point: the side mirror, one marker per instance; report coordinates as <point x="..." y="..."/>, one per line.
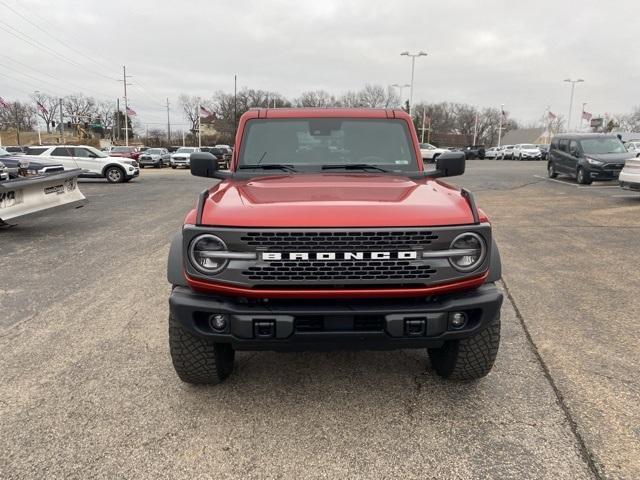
<point x="203" y="165"/>
<point x="450" y="164"/>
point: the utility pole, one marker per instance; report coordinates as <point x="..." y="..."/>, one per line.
<point x="15" y="106"/>
<point x="118" y="119"/>
<point x="500" y="124"/>
<point x="168" y="124"/>
<point x="199" y="126"/>
<point x="61" y="124"/>
<point x="126" y="107"/>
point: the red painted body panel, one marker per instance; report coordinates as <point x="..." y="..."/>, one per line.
<point x="335" y="200"/>
<point x="211" y="287"/>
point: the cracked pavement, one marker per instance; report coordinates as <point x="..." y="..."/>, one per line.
<point x="88" y="390"/>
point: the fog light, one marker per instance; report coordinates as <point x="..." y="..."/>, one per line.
<point x="458" y="320"/>
<point x="218" y="322"/>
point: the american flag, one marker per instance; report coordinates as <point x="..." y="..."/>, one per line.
<point x="41" y="108"/>
<point x="551" y="115"/>
<point x="205" y="112"/>
<point x="3" y="103"/>
<point x="131" y="112"/>
<point x="586" y="116"/>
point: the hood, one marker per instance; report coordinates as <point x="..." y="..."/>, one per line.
<point x="335" y="200"/>
<point x="611" y="157"/>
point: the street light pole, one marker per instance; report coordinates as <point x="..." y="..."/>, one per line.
<point x="500" y="124"/>
<point x="573" y="86"/>
<point x="413" y="67"/>
<point x="584" y="104"/>
<point x="401" y="88"/>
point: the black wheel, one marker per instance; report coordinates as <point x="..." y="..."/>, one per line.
<point x="551" y="170"/>
<point x="159" y="164"/>
<point x="141" y="166"/>
<point x="114" y="175"/>
<point x="173" y="166"/>
<point x="470" y="358"/>
<point x="520" y="158"/>
<point x="582" y="177"/>
<point x="197" y="360"/>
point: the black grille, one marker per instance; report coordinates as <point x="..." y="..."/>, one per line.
<point x="338" y="241"/>
<point x="337" y="270"/>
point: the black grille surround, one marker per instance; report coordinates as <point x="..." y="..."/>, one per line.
<point x="340" y="272"/>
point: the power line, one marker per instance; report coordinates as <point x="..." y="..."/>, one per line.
<point x="35" y="43"/>
<point x="26" y="19"/>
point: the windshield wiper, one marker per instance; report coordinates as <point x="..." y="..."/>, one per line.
<point x="269" y="166"/>
<point x="354" y="166"/>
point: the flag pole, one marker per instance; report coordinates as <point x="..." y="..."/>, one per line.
<point x="424" y="117"/>
<point x="199" y="126"/>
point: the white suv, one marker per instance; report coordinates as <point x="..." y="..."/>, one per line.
<point x="430" y="153"/>
<point x="526" y="151"/>
<point x="96" y="164"/>
<point x="633" y="147"/>
<point x="182" y="157"/>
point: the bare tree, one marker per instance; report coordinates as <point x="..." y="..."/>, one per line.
<point x="19" y="115"/>
<point x="316" y="98"/>
<point x="190" y="109"/>
<point x="47" y="108"/>
<point x="375" y="96"/>
<point x="349" y="99"/>
<point x="79" y="108"/>
<point x="105" y="114"/>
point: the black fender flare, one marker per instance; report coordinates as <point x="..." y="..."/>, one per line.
<point x="495" y="266"/>
<point x="175" y="267"/>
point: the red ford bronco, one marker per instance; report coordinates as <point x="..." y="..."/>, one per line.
<point x="327" y="232"/>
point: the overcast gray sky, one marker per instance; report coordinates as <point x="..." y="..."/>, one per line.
<point x="483" y="53"/>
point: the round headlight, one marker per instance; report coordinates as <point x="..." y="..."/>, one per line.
<point x="474" y="252"/>
<point x="202" y="253"/>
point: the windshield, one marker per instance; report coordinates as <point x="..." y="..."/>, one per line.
<point x="528" y="146"/>
<point x="122" y="149"/>
<point x="328" y="143"/>
<point x="3" y="152"/>
<point x="186" y="150"/>
<point x="155" y="151"/>
<point x="97" y="153"/>
<point x="599" y="146"/>
<point x="427" y="146"/>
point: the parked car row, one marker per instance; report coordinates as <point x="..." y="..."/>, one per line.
<point x="522" y="151"/>
<point x="430" y="152"/>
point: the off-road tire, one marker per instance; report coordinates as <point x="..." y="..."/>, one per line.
<point x="581" y="177"/>
<point x="551" y="170"/>
<point x="470" y="358"/>
<point x="197" y="360"/>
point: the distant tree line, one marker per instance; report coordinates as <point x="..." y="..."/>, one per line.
<point x="77" y="109"/>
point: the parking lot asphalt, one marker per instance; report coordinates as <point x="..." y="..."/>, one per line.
<point x="88" y="391"/>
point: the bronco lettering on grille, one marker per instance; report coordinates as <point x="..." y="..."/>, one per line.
<point x="275" y="256"/>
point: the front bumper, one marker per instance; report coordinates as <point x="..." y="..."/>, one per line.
<point x="340" y="324"/>
<point x="629" y="181"/>
<point x="601" y="174"/>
